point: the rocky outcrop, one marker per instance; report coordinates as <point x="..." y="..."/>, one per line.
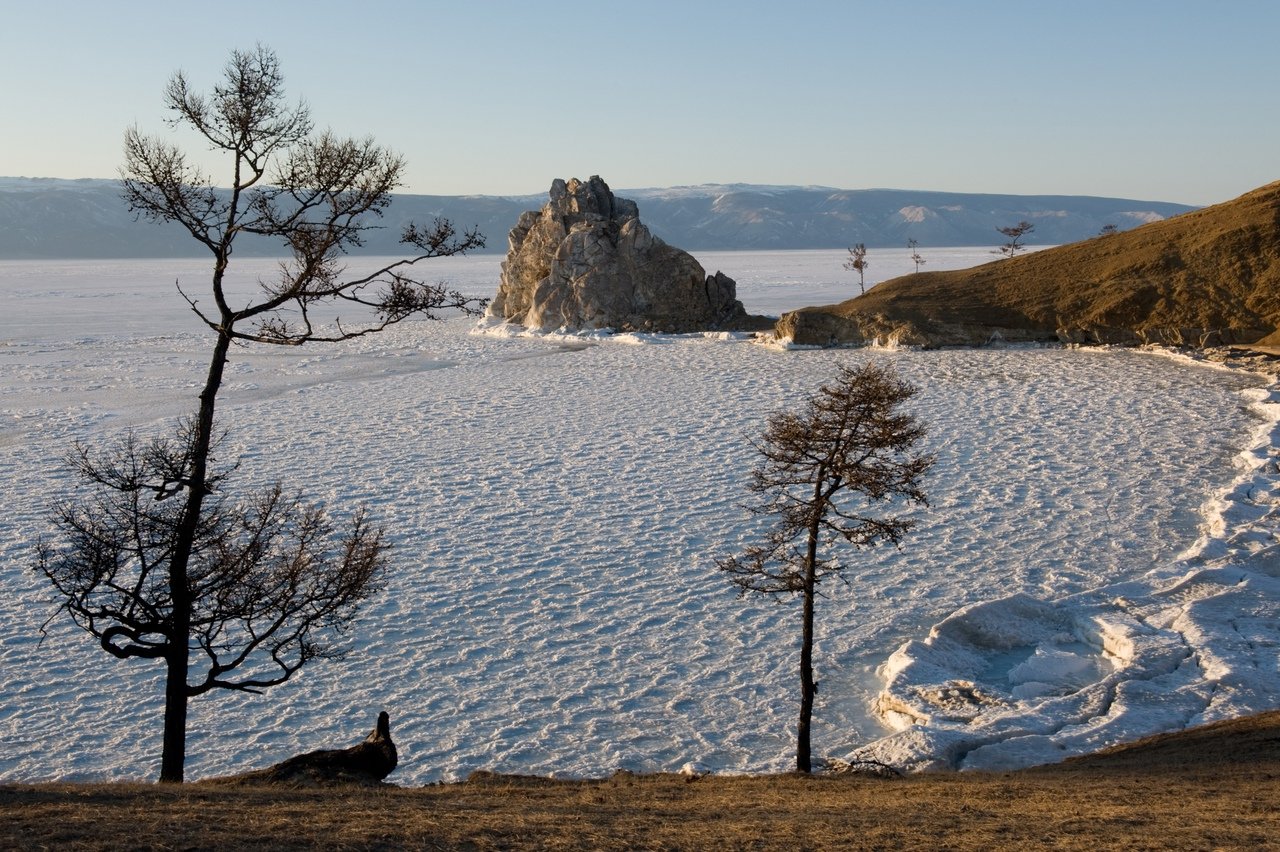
<point x="1203" y="279"/>
<point x="364" y="764"/>
<point x="585" y="261"/>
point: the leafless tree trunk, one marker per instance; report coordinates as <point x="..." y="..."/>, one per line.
<point x="1015" y="233"/>
<point x="851" y="446"/>
<point x="316" y="194"/>
<point x="915" y="253"/>
<point x="858" y="263"/>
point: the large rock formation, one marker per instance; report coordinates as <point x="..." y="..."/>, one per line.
<point x="1205" y="278"/>
<point x="585" y="261"/>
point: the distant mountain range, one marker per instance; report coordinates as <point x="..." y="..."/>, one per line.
<point x="56" y="218"/>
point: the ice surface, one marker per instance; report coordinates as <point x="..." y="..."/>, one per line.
<point x="1190" y="641"/>
<point x="1098" y="559"/>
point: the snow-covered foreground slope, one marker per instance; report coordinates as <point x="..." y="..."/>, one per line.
<point x="557" y="507"/>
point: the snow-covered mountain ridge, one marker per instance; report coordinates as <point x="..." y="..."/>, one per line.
<point x="58" y="218"/>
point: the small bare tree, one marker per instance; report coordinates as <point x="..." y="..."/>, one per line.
<point x="915" y="253"/>
<point x="858" y="263"/>
<point x="1109" y="230"/>
<point x="823" y="469"/>
<point x="1015" y="233"/>
<point x="203" y="560"/>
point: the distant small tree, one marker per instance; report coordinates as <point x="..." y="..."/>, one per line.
<point x="1015" y="233"/>
<point x="822" y="471"/>
<point x="202" y="574"/>
<point x="1109" y="230"/>
<point x="858" y="263"/>
<point x="915" y="253"/>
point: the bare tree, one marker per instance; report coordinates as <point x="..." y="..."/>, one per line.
<point x="316" y="194"/>
<point x="267" y="584"/>
<point x="823" y="470"/>
<point x="1015" y="233"/>
<point x="1109" y="230"/>
<point x="915" y="253"/>
<point x="858" y="263"/>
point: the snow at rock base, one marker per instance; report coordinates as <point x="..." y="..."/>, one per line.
<point x="557" y="506"/>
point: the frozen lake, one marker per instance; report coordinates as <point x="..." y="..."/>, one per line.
<point x="556" y="512"/>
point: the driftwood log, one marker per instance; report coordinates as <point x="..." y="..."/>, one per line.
<point x="367" y="763"/>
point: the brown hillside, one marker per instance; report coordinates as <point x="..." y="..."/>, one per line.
<point x="1204" y="278"/>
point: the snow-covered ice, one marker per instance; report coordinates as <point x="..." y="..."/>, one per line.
<point x="1098" y="561"/>
<point x="1020" y="680"/>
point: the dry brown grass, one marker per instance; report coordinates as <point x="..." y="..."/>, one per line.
<point x="1216" y="788"/>
<point x="1209" y="277"/>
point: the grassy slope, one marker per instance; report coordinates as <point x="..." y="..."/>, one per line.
<point x="1207" y="277"/>
<point x="1214" y="787"/>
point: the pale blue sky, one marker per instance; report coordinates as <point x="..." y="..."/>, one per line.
<point x="1172" y="100"/>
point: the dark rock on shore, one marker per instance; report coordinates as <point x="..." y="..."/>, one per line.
<point x="364" y="764"/>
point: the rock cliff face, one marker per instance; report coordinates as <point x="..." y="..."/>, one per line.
<point x="1206" y="278"/>
<point x="585" y="261"/>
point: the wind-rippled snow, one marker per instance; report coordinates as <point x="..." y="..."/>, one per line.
<point x="557" y="506"/>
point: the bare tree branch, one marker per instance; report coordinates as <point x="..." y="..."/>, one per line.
<point x="858" y="263"/>
<point x="268" y="580"/>
<point x="1015" y="233"/>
